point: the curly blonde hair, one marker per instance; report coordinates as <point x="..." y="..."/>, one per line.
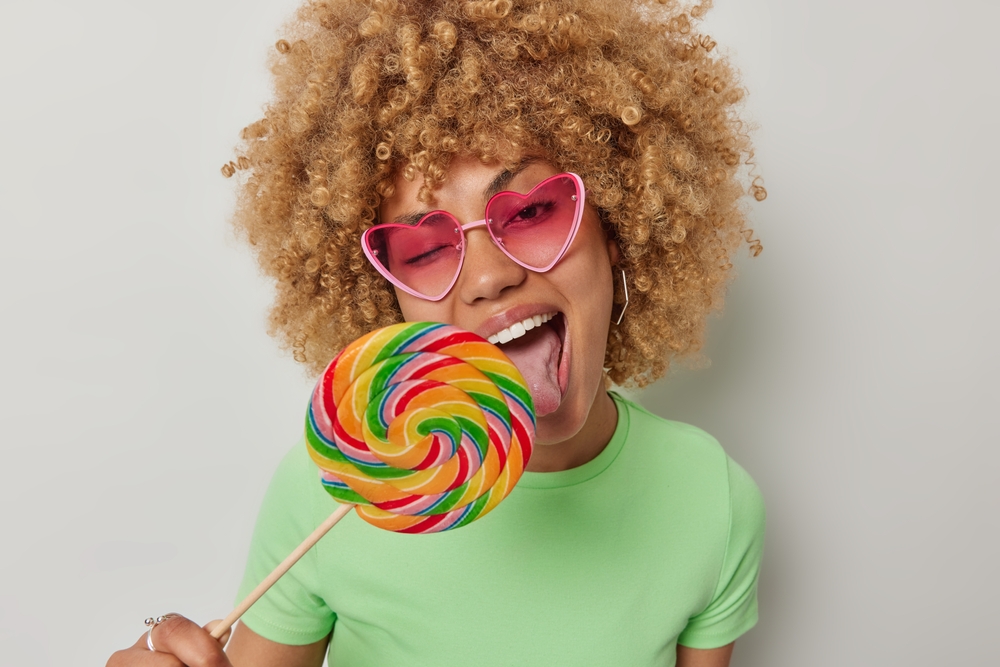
<point x="626" y="94"/>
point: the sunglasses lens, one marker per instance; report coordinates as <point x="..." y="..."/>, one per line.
<point x="535" y="228"/>
<point x="424" y="257"/>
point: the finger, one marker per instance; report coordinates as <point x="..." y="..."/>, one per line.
<point x="138" y="655"/>
<point x="189" y="642"/>
<point x="224" y="639"/>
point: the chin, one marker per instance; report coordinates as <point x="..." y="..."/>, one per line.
<point x="560" y="425"/>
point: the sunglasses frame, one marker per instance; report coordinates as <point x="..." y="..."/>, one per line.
<point x="579" y="198"/>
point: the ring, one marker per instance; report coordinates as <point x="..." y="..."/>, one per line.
<point x="152" y="623"/>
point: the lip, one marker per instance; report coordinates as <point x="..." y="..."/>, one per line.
<point x="513" y="315"/>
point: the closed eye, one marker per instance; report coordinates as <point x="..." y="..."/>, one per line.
<point x="428" y="256"/>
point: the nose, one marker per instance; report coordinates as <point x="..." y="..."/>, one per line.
<point x="486" y="271"/>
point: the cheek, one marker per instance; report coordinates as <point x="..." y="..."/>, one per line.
<point x="419" y="310"/>
<point x="409" y="306"/>
<point x="592" y="279"/>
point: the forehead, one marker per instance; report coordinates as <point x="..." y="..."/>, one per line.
<point x="468" y="182"/>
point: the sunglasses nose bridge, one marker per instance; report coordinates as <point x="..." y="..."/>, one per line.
<point x="472" y="225"/>
<point x="494" y="240"/>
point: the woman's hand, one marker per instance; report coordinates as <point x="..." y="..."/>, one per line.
<point x="179" y="642"/>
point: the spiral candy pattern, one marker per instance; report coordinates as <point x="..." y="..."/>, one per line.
<point x="425" y="426"/>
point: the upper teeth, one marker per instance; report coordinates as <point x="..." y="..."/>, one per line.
<point x="518" y="329"/>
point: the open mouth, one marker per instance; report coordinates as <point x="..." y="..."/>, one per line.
<point x="537" y="347"/>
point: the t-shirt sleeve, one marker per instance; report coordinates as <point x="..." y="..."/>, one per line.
<point x="733" y="609"/>
<point x="289" y="613"/>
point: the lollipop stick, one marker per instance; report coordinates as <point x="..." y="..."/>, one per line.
<point x="285" y="565"/>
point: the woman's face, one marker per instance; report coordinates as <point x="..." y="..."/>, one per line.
<point x="562" y="359"/>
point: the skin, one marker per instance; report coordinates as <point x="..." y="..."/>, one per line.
<point x="491" y="293"/>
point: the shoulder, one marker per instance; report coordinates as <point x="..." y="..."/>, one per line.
<point x="295" y="493"/>
<point x="652" y="437"/>
<point x="295" y="465"/>
<point x="687" y="456"/>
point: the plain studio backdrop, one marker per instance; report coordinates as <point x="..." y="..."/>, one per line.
<point x="853" y="372"/>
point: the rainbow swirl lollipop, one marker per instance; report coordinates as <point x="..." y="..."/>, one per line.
<point x="424" y="426"/>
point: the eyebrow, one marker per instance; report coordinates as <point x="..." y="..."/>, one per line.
<point x="409" y="218"/>
<point x="504" y="178"/>
<point x="498" y="184"/>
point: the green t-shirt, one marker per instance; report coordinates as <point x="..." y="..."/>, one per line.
<point x="655" y="542"/>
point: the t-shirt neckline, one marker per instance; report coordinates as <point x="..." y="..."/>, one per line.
<point x="590" y="469"/>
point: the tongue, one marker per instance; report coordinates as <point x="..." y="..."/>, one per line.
<point x="536" y="355"/>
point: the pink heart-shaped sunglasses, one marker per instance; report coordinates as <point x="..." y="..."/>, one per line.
<point x="533" y="229"/>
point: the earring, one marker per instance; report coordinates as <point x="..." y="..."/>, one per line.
<point x="624" y="287"/>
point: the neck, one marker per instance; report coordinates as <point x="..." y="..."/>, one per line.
<point x="582" y="447"/>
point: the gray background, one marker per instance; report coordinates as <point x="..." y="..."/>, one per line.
<point x="853" y="372"/>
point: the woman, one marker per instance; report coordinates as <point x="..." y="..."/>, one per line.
<point x="629" y="540"/>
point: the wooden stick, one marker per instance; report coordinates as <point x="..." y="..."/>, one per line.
<point x="285" y="565"/>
